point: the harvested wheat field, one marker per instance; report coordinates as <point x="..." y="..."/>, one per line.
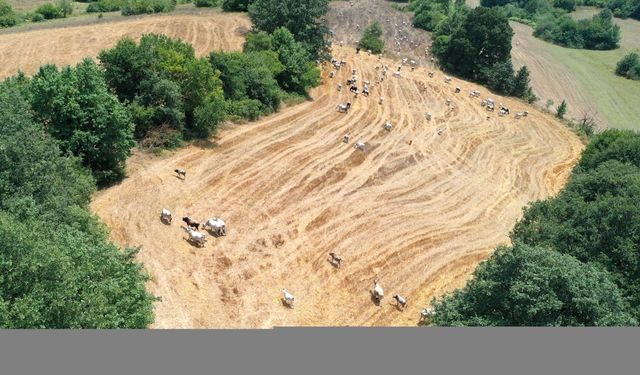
<point x="207" y="31"/>
<point x="418" y="216"/>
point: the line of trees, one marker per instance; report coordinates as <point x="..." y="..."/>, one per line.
<point x="575" y="258"/>
<point x="474" y="44"/>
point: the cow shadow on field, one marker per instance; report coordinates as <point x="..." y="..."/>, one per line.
<point x="374" y="300"/>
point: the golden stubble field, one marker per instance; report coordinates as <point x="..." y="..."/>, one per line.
<point x="419" y="217"/>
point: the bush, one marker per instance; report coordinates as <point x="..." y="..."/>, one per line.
<point x="50" y="11"/>
<point x="105" y="6"/>
<point x="629" y="66"/>
<point x="8" y="17"/>
<point x="371" y="38"/>
<point x="598" y="33"/>
<point x="37" y="17"/>
<point x="236" y="5"/>
<point x="132" y="7"/>
<point x="568" y="5"/>
<point x="244" y="109"/>
<point x="207" y="3"/>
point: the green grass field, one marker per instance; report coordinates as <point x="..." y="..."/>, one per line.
<point x="618" y="98"/>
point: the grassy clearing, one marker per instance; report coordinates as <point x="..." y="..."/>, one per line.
<point x="616" y="99"/>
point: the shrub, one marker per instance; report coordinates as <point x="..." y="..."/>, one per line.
<point x="50" y="11"/>
<point x="8" y="17"/>
<point x="371" y="38"/>
<point x="207" y="3"/>
<point x="105" y="6"/>
<point x="568" y="5"/>
<point x="236" y="5"/>
<point x="132" y="7"/>
<point x="629" y="66"/>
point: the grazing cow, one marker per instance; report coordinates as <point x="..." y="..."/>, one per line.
<point x="378" y="292"/>
<point x="332" y="74"/>
<point x="196" y="237"/>
<point x="344" y="108"/>
<point x="457" y="90"/>
<point x="217" y="226"/>
<point x="428" y="116"/>
<point x="474" y="94"/>
<point x="447" y="79"/>
<point x="448" y="102"/>
<point x="431" y="74"/>
<point x="181" y="172"/>
<point x="345" y="138"/>
<point x="358" y="48"/>
<point x="426" y="313"/>
<point x="365" y="91"/>
<point x="353" y="71"/>
<point x="359" y="146"/>
<point x="396" y="74"/>
<point x="381" y="100"/>
<point x="483" y="103"/>
<point x="191" y="223"/>
<point x="353" y="88"/>
<point x="339" y="86"/>
<point x="369" y="52"/>
<point x="387" y="126"/>
<point x="335" y="259"/>
<point x="165" y="215"/>
<point x="490" y="107"/>
<point x="440" y="131"/>
<point x="402" y="302"/>
<point x="288" y="298"/>
<point x="410" y="142"/>
<point x="519" y="115"/>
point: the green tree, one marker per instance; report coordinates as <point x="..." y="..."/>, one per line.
<point x="562" y="109"/>
<point x="78" y="109"/>
<point x="303" y="18"/>
<point x="372" y="38"/>
<point x="482" y="40"/>
<point x="67" y="279"/>
<point x="299" y="73"/>
<point x="521" y="87"/>
<point x="257" y="41"/>
<point x="596" y="219"/>
<point x="533" y="286"/>
<point x="66" y="6"/>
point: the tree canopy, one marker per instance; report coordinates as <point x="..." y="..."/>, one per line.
<point x="533" y="286"/>
<point x="303" y="18"/>
<point x="78" y="109"/>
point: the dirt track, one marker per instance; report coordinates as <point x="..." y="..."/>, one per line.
<point x="418" y="217"/>
<point x="68" y="45"/>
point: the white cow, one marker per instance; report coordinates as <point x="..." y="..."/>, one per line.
<point x="402" y="302"/>
<point x="332" y="73"/>
<point x="426" y="313"/>
<point x="447" y="79"/>
<point x="335" y="259"/>
<point x="378" y="292"/>
<point x="196" y="237"/>
<point x="345" y="138"/>
<point x="396" y="74"/>
<point x="359" y="146"/>
<point x="165" y="215"/>
<point x="429" y="116"/>
<point x="288" y="298"/>
<point x="387" y="126"/>
<point x="381" y="100"/>
<point x="217" y="226"/>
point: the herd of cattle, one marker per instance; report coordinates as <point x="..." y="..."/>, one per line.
<point x="352" y="82"/>
<point x="216" y="226"/>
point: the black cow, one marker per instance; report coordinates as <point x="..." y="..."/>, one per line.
<point x="191" y="223"/>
